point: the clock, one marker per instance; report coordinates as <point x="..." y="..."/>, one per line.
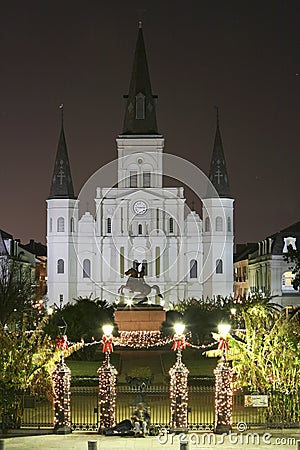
<point x="139" y="207"/>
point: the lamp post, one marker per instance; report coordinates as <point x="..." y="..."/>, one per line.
<point x="179" y="383"/>
<point x="223" y="385"/>
<point x="62" y="380"/>
<point x="107" y="383"/>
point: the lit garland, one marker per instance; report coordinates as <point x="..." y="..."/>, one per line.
<point x="223" y="395"/>
<point x="141" y="339"/>
<point x="61" y="402"/>
<point x="179" y="393"/>
<point x="107" y="394"/>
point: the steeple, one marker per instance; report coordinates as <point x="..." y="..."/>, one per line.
<point x="218" y="171"/>
<point x="62" y="185"/>
<point x="140" y="114"/>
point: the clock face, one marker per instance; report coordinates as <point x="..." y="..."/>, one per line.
<point x="140" y="207"/>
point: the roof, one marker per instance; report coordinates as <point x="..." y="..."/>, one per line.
<point x="36" y="248"/>
<point x="140" y="120"/>
<point x="278" y="238"/>
<point x="243" y="250"/>
<point x="62" y="185"/>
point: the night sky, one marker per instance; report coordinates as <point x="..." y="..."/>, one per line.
<point x="243" y="56"/>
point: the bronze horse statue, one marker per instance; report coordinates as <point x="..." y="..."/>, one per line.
<point x="136" y="283"/>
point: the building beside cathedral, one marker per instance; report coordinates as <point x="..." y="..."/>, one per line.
<point x="139" y="223"/>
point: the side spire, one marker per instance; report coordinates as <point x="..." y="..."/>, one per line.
<point x="140" y="112"/>
<point x="62" y="185"/>
<point x="218" y="171"/>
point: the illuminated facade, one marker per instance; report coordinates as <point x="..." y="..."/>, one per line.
<point x="139" y="220"/>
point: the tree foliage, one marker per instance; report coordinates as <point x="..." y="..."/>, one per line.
<point x="293" y="257"/>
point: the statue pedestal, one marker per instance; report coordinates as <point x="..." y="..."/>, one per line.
<point x="140" y="318"/>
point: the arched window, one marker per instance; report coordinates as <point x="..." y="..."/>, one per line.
<point x="229" y="229"/>
<point x="193" y="268"/>
<point x="86" y="268"/>
<point x="60" y="266"/>
<point x="108" y="225"/>
<point x="207" y="224"/>
<point x="72" y="225"/>
<point x="219" y="223"/>
<point x="140" y="106"/>
<point x="60" y="224"/>
<point x="157" y="262"/>
<point x="171" y="225"/>
<point x="140" y="229"/>
<point x="219" y="266"/>
<point x="145" y="267"/>
<point x="50" y="225"/>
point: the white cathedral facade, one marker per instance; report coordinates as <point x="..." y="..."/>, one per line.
<point x="139" y="222"/>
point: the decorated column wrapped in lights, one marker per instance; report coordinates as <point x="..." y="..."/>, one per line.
<point x="62" y="386"/>
<point x="107" y="383"/>
<point x="223" y="385"/>
<point x="179" y="383"/>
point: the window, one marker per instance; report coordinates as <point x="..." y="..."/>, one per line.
<point x="146" y="179"/>
<point x="207" y="224"/>
<point x="133" y="179"/>
<point x="219" y="223"/>
<point x="140" y="229"/>
<point x="61" y="299"/>
<point x="229" y="229"/>
<point x="140" y="106"/>
<point x="145" y="267"/>
<point x="157" y="219"/>
<point x="135" y="264"/>
<point x="72" y="225"/>
<point x="193" y="268"/>
<point x="86" y="268"/>
<point x="157" y="262"/>
<point x="171" y="225"/>
<point x="108" y="225"/>
<point x="60" y="224"/>
<point x="122" y="261"/>
<point x="50" y="225"/>
<point x="60" y="266"/>
<point x="219" y="266"/>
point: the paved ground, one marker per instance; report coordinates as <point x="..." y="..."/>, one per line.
<point x="286" y="439"/>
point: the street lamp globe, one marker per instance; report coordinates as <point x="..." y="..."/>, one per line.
<point x="224" y="329"/>
<point x="179" y="328"/>
<point x="107" y="329"/>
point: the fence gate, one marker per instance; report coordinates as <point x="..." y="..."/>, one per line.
<point x="84" y="408"/>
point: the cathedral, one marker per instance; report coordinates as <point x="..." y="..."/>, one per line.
<point x="139" y="223"/>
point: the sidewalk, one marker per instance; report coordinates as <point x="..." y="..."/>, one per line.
<point x="283" y="439"/>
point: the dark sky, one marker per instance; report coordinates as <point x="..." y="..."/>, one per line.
<point x="243" y="56"/>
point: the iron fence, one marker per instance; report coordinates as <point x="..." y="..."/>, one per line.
<point x="38" y="412"/>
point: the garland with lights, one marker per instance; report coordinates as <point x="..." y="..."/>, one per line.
<point x="107" y="394"/>
<point x="223" y="395"/>
<point x="61" y="400"/>
<point x="179" y="393"/>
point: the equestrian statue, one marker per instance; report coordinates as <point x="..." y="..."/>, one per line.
<point x="136" y="283"/>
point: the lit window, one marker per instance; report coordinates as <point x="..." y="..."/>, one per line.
<point x="86" y="268"/>
<point x="60" y="224"/>
<point x="193" y="268"/>
<point x="60" y="266"/>
<point x="219" y="223"/>
<point x="146" y="179"/>
<point x="171" y="225"/>
<point x="219" y="266"/>
<point x="207" y="224"/>
<point x="133" y="178"/>
<point x="140" y="106"/>
<point x="108" y="225"/>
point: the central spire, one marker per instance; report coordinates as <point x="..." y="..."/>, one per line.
<point x="140" y="114"/>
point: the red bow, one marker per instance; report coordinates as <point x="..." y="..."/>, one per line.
<point x="223" y="343"/>
<point x="62" y="342"/>
<point x="179" y="343"/>
<point x="107" y="343"/>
